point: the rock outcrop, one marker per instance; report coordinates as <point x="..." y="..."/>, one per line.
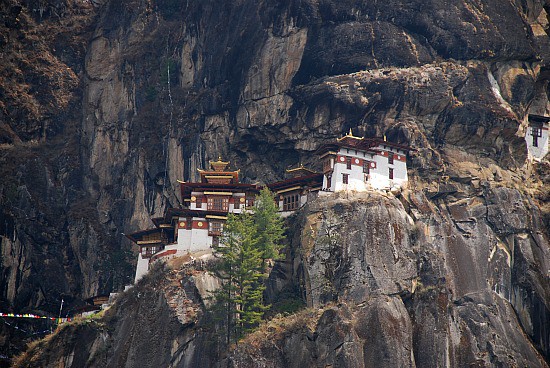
<point x="106" y="103"/>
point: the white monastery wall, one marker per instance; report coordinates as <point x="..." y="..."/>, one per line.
<point x="142" y="268"/>
<point x="538" y="152"/>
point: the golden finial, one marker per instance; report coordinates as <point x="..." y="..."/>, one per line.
<point x="350" y="132"/>
<point x="384" y="137"/>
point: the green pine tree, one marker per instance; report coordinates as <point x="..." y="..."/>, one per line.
<point x="249" y="239"/>
<point x="269" y="227"/>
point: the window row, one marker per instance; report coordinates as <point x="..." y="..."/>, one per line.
<point x="345" y="177"/>
<point x="536" y="132"/>
<point x="222" y="203"/>
<point x="147" y="252"/>
<point x="291" y="202"/>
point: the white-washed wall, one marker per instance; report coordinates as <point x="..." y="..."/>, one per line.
<point x="142" y="268"/>
<point x="537" y="153"/>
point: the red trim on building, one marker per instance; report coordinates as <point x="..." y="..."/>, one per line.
<point x="355" y="161"/>
<point x="163" y="254"/>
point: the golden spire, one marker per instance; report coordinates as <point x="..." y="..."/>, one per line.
<point x="219" y="165"/>
<point x="349" y="135"/>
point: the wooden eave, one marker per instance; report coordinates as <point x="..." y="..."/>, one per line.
<point x="538" y="119"/>
<point x="135" y="237"/>
<point x="301" y="181"/>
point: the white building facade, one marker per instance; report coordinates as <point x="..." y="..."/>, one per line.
<point x="360" y="164"/>
<point x="293" y="193"/>
<point x="198" y="225"/>
<point x="536" y="137"/>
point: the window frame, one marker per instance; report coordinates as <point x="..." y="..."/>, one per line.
<point x="215" y="228"/>
<point x="366" y="167"/>
<point x="345" y="179"/>
<point x="291" y="202"/>
<point x="536" y="132"/>
<point x="217" y="203"/>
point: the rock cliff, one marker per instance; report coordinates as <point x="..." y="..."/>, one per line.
<point x="105" y="104"/>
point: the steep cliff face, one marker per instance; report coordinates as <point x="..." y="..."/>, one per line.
<point x="153" y="324"/>
<point x="416" y="284"/>
<point x="106" y="103"/>
<point x="390" y="282"/>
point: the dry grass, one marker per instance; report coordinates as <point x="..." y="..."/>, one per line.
<point x="274" y="331"/>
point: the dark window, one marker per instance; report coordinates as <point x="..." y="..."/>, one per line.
<point x="249" y="202"/>
<point x="291" y="202"/>
<point x="215" y="228"/>
<point x="348" y="163"/>
<point x="237" y="203"/>
<point x="218" y="203"/>
<point x="390" y="158"/>
<point x="366" y="167"/>
<point x="189" y="223"/>
<point x="536" y="132"/>
<point x="391" y="173"/>
<point x="198" y="202"/>
<point x="326" y="165"/>
<point x="147" y="252"/>
<point x="345" y="178"/>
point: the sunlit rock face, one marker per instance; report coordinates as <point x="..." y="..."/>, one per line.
<point x="107" y="103"/>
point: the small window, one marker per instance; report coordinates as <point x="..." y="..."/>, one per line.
<point x="215" y="228"/>
<point x="237" y="203"/>
<point x="345" y="178"/>
<point x="390" y="158"/>
<point x="366" y="167"/>
<point x="348" y="163"/>
<point x="391" y="173"/>
<point x="189" y="223"/>
<point x="291" y="202"/>
<point x="218" y="203"/>
<point x="198" y="202"/>
<point x="536" y="132"/>
<point x="249" y="202"/>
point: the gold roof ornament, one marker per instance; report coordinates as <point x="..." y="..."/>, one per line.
<point x="349" y="135"/>
<point x="300" y="171"/>
<point x="219" y="165"/>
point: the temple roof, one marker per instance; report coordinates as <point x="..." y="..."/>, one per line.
<point x="135" y="237"/>
<point x="362" y="144"/>
<point x="300" y="171"/>
<point x="538" y="119"/>
<point x="311" y="180"/>
<point x="219" y="173"/>
<point x="188" y="188"/>
<point x="219" y="165"/>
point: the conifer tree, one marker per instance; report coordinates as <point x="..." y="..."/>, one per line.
<point x="269" y="226"/>
<point x="248" y="240"/>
